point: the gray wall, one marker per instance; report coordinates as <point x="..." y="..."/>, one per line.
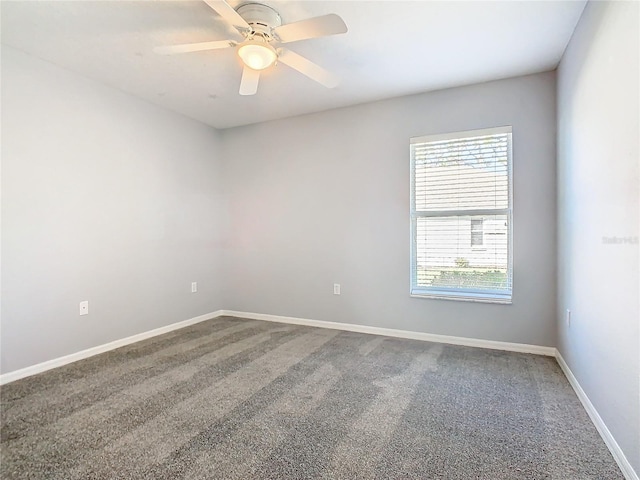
<point x="104" y="198"/>
<point x="324" y="198"/>
<point x="108" y="199"/>
<point x="598" y="122"/>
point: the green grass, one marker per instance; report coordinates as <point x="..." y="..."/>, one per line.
<point x="463" y="278"/>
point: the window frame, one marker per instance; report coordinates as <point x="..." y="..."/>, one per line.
<point x="461" y="294"/>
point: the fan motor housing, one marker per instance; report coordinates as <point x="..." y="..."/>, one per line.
<point x="262" y="18"/>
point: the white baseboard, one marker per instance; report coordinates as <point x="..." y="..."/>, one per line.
<point x="90" y="352"/>
<point x="610" y="442"/>
<point x="390" y="332"/>
<point x="469" y="342"/>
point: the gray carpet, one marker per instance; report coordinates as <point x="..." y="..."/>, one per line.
<point x="242" y="399"/>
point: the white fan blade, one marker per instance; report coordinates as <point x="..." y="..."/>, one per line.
<point x="194" y="47"/>
<point x="249" y="82"/>
<point x="308" y="68"/>
<point x="315" y="27"/>
<point x="227" y="12"/>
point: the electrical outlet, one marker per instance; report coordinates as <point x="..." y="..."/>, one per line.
<point x="568" y="317"/>
<point x="84" y="307"/>
<point x="194" y="287"/>
<point x="336" y="289"/>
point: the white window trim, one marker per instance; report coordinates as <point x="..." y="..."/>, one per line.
<point x="462" y="294"/>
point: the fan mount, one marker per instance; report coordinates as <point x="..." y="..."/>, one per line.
<point x="261" y="18"/>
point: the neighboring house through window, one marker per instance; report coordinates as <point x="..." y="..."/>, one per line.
<point x="461" y="207"/>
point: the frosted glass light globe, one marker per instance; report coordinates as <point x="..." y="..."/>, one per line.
<point x="257" y="55"/>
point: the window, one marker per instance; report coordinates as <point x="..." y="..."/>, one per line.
<point x="477" y="237"/>
<point x="461" y="235"/>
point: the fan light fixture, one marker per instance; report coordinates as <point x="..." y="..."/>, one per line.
<point x="257" y="55"/>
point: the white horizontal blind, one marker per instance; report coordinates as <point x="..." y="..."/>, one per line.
<point x="461" y="215"/>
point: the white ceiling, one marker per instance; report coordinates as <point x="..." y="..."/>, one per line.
<point x="392" y="48"/>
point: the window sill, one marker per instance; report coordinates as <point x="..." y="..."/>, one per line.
<point x="465" y="298"/>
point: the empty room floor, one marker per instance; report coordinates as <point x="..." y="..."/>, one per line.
<point x="233" y="398"/>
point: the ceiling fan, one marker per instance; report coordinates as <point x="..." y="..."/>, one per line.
<point x="260" y="33"/>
